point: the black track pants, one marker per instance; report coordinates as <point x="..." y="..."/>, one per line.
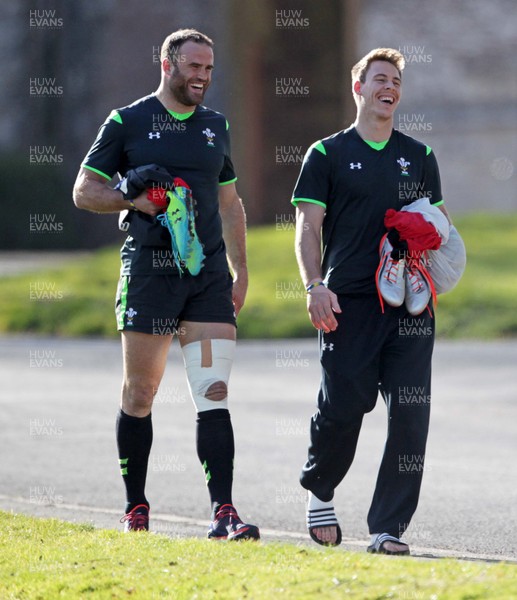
<point x="371" y="352"/>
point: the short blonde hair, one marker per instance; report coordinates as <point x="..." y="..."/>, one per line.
<point x="390" y="55"/>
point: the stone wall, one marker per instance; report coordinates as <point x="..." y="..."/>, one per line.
<point x="65" y="66"/>
<point x="459" y="91"/>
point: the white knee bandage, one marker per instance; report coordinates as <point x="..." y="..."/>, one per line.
<point x="208" y="364"/>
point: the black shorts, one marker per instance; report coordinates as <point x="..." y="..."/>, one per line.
<point x="156" y="304"/>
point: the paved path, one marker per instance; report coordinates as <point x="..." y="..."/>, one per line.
<point x="58" y="404"/>
<point x="16" y="262"/>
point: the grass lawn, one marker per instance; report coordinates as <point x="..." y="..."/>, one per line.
<point x="78" y="298"/>
<point x="46" y="559"/>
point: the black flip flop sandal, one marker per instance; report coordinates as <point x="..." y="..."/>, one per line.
<point x="378" y="546"/>
<point x="323" y="517"/>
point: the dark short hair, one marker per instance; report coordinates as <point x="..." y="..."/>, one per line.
<point x="174" y="41"/>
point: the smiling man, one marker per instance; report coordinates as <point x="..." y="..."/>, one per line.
<point x="179" y="204"/>
<point x="347" y="183"/>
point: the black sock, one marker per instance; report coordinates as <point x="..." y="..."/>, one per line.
<point x="215" y="449"/>
<point x="134" y="440"/>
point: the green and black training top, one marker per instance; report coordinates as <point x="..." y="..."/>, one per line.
<point x="194" y="146"/>
<point x="356" y="181"/>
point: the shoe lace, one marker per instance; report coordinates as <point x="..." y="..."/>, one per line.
<point x="418" y="274"/>
<point x="229" y="512"/>
<point x="391" y="273"/>
<point x="135" y="519"/>
<point x="415" y="279"/>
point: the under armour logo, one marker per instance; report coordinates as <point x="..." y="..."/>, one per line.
<point x="326" y="346"/>
<point x="355" y="166"/>
<point x="154" y="135"/>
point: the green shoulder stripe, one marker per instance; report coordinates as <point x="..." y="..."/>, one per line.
<point x="96" y="171"/>
<point x="439" y="203"/>
<point x="227" y="125"/>
<point x="309" y="200"/>
<point x="228" y="182"/>
<point x="319" y="146"/>
<point x="115" y="116"/>
<point x="428" y="150"/>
